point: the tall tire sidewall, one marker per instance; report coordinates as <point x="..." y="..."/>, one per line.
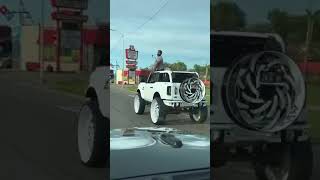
<point x="203" y="115"/>
<point x="100" y="149"/>
<point x="162" y="111"/>
<point x="141" y="104"/>
<point x="301" y="162"/>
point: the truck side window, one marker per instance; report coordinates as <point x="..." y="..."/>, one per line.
<point x="164" y="77"/>
<point x="153" y="78"/>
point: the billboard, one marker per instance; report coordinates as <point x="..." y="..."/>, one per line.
<point x="132" y="56"/>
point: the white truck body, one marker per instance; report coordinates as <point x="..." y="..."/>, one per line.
<point x="172" y="98"/>
<point x="99" y="81"/>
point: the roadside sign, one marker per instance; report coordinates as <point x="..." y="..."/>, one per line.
<point x="131" y="54"/>
<point x="73" y="4"/>
<point x="69" y="16"/>
<point x="5" y="11"/>
<point x="131" y="62"/>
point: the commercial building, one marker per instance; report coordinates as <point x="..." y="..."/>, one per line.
<point x="94" y="41"/>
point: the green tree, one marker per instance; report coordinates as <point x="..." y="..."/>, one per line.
<point x="280" y="22"/>
<point x="178" y="66"/>
<point x="166" y="65"/>
<point x="227" y="16"/>
<point x="202" y="70"/>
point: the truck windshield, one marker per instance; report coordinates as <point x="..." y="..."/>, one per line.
<point x="180" y="77"/>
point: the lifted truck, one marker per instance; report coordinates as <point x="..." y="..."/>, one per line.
<point x="172" y="92"/>
<point x="258" y="107"/>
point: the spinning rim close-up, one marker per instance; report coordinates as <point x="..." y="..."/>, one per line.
<point x="192" y="90"/>
<point x="264" y="91"/>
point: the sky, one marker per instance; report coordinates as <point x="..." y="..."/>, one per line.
<point x="98" y="11"/>
<point x="181" y="30"/>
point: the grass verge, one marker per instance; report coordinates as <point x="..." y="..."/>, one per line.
<point x="76" y="87"/>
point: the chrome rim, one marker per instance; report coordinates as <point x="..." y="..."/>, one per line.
<point x="85" y="133"/>
<point x="273" y="173"/>
<point x="154" y="111"/>
<point x="197" y="116"/>
<point x="136" y="103"/>
<point x="280" y="172"/>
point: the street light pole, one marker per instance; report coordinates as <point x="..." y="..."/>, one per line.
<point x="123" y="52"/>
<point x="41" y="42"/>
<point x="122" y="35"/>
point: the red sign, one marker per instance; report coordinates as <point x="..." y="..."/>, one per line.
<point x="131" y="66"/>
<point x="69" y="16"/>
<point x="131" y="54"/>
<point x="73" y="4"/>
<point x="131" y="62"/>
<point x="4" y="10"/>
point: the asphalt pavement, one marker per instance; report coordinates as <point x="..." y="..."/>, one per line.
<point x="123" y="115"/>
<point x="244" y="171"/>
<point x="37" y="133"/>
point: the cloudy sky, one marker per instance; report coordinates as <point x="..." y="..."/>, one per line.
<point x="181" y="30"/>
<point x="97" y="10"/>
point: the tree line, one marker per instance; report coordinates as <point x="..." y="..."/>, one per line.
<point x="300" y="32"/>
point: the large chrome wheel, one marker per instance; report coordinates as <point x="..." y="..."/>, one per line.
<point x="92" y="135"/>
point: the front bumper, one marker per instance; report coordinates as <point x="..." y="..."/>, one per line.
<point x="180" y="103"/>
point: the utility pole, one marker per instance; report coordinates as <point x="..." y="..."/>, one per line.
<point x="206" y="72"/>
<point x="311" y="18"/>
<point x="41" y="42"/>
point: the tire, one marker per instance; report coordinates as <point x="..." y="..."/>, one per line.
<point x="297" y="162"/>
<point x="157" y="111"/>
<point x="92" y="135"/>
<point x="139" y="104"/>
<point x="199" y="115"/>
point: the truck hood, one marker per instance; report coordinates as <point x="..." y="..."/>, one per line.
<point x="138" y="152"/>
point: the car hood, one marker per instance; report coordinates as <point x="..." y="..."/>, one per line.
<point x="138" y="152"/>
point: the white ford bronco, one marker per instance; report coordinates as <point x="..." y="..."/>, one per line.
<point x="172" y="92"/>
<point x="93" y="121"/>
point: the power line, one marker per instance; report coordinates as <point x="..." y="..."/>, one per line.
<point x="116" y="44"/>
<point x="157" y="12"/>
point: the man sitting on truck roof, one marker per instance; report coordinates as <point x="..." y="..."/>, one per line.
<point x="158" y="65"/>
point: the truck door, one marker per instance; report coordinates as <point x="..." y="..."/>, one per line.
<point x="150" y="86"/>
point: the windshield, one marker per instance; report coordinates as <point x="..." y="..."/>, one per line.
<point x="144" y="96"/>
<point x="180" y="77"/>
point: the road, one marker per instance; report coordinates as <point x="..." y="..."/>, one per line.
<point x="123" y="115"/>
<point x="37" y="133"/>
<point x="234" y="171"/>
